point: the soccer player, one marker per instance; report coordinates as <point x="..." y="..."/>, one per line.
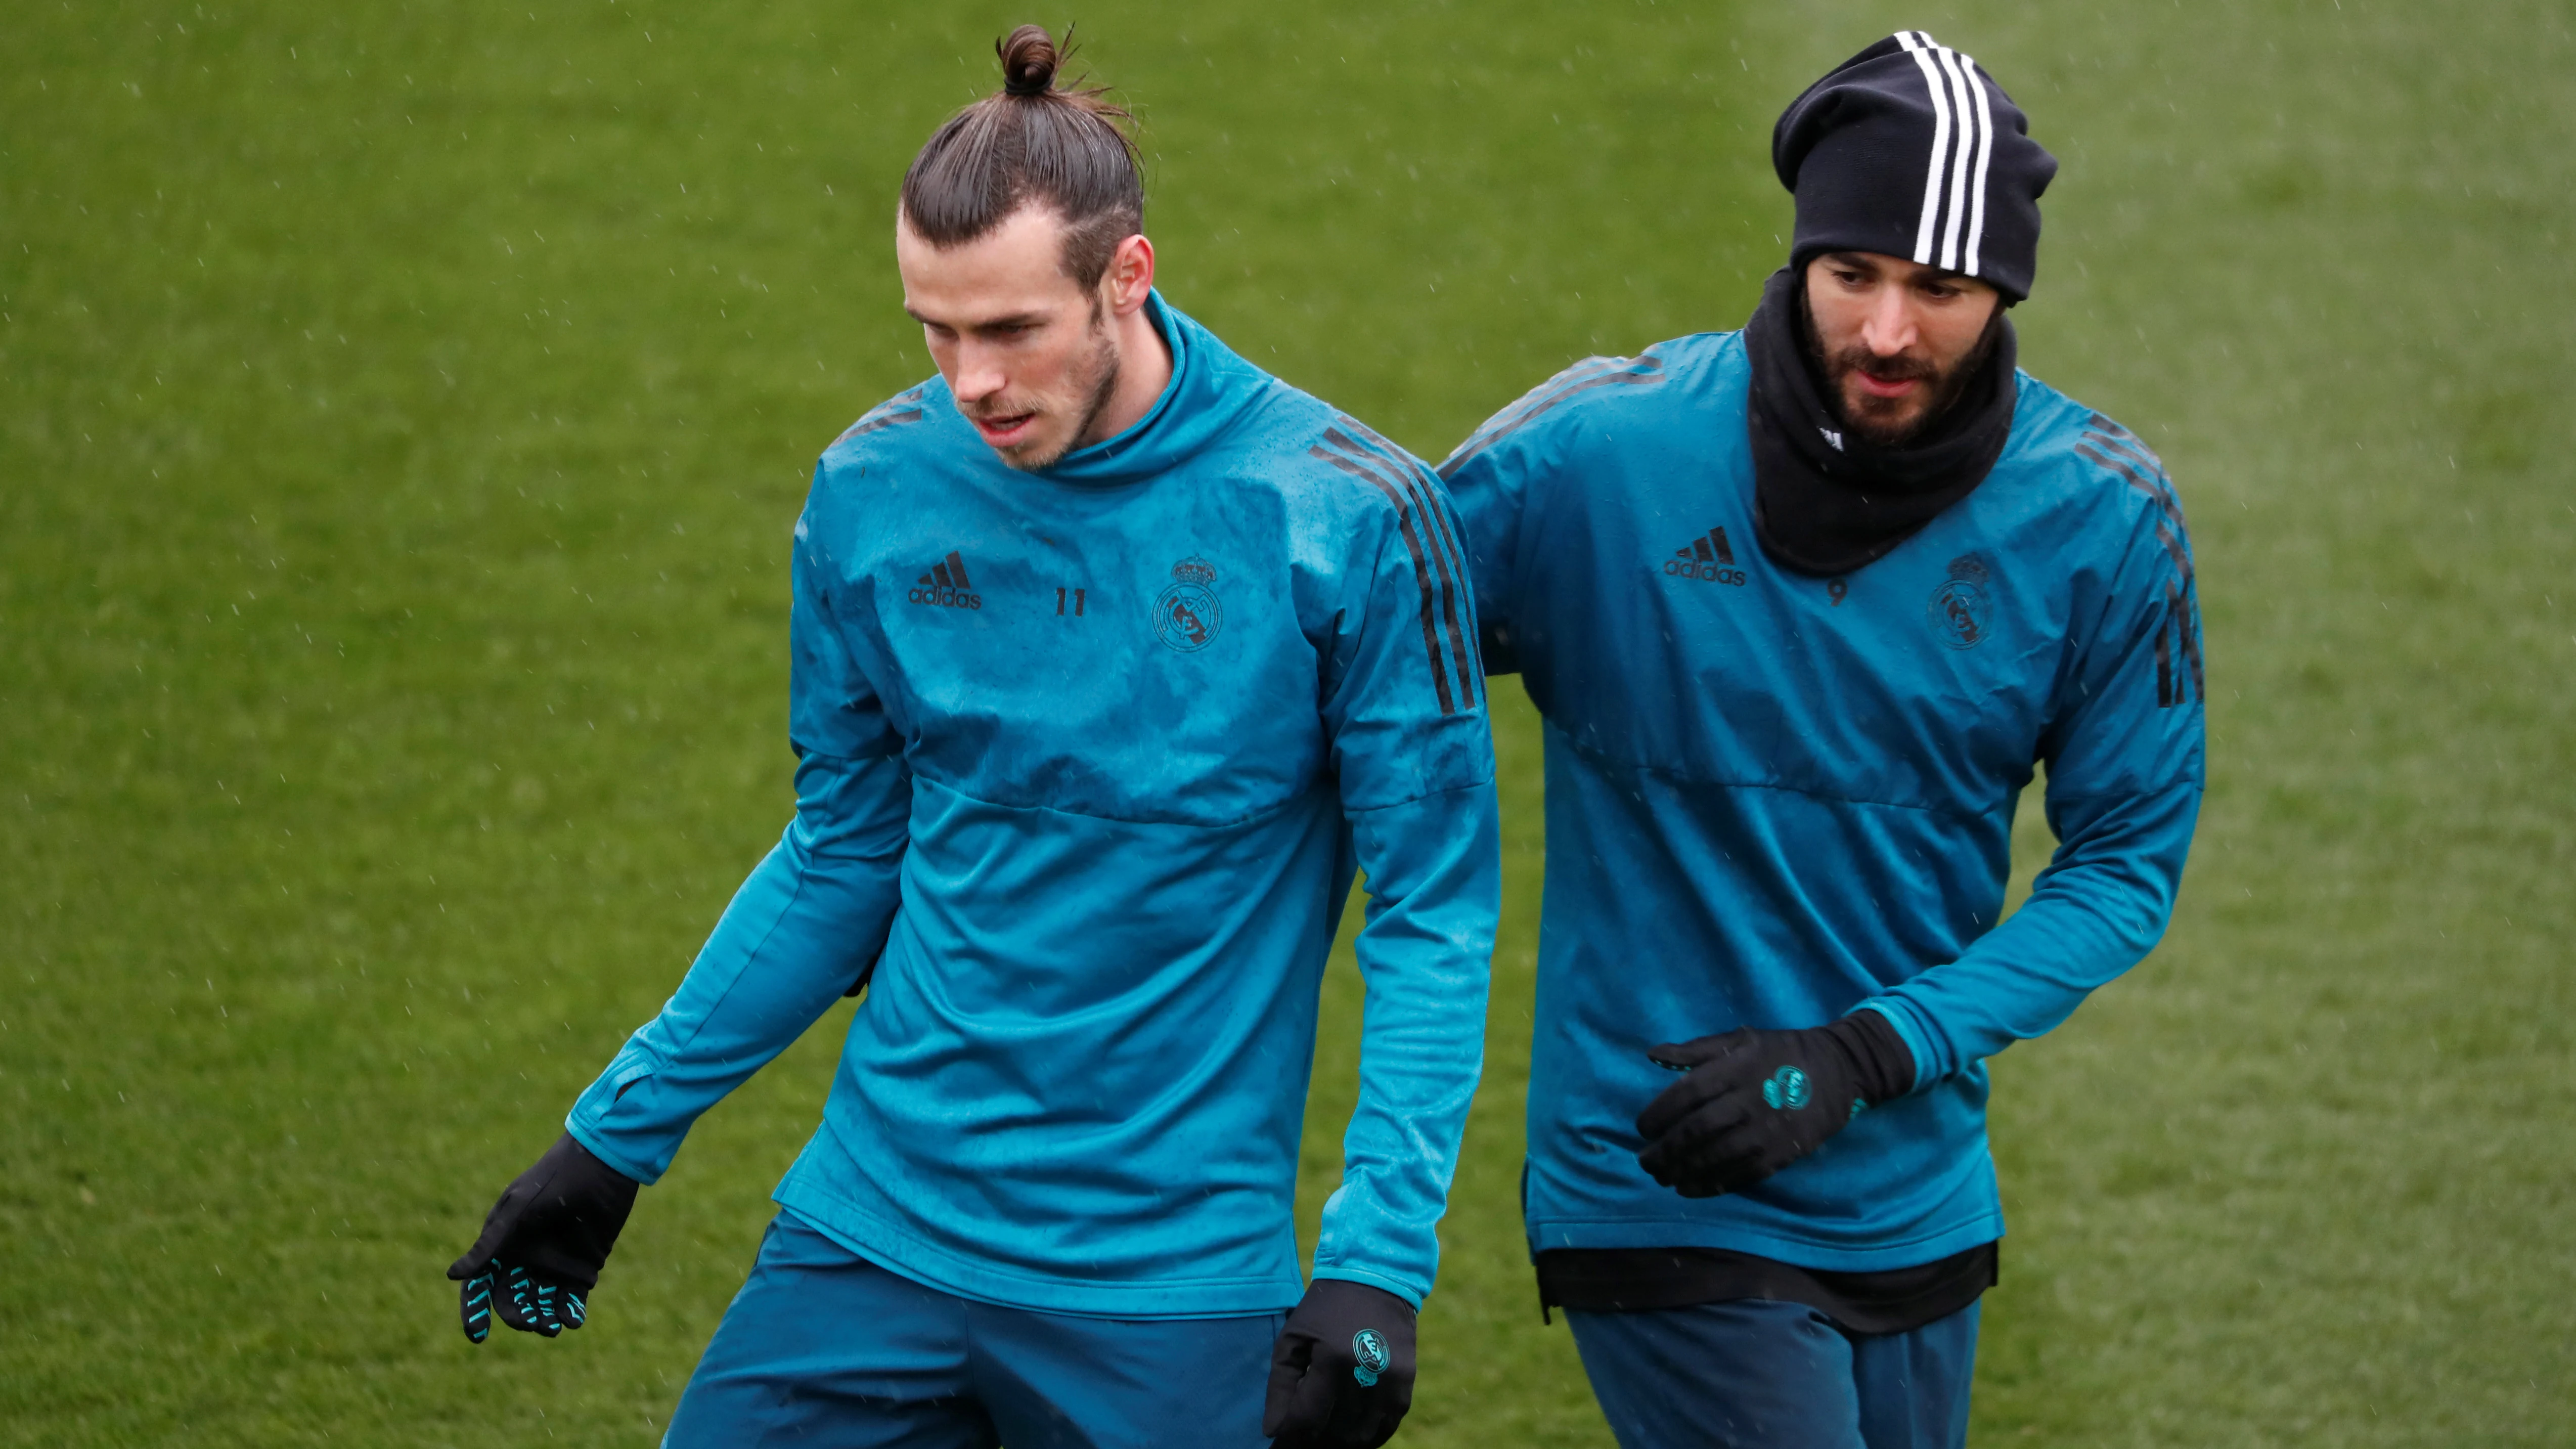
<point x="1112" y="658"/>
<point x="1802" y="606"/>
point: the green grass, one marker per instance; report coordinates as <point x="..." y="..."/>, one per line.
<point x="401" y="413"/>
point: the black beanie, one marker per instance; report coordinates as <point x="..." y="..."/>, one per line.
<point x="1909" y="149"/>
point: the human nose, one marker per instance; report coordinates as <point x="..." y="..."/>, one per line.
<point x="1890" y="328"/>
<point x="979" y="374"/>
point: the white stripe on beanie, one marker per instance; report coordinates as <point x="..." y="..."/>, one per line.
<point x="1985" y="151"/>
<point x="1940" y="147"/>
<point x="1948" y="189"/>
<point x="1959" y="159"/>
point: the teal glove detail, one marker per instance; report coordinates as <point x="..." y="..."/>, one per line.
<point x="543" y="1245"/>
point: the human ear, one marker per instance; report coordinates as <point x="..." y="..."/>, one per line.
<point x="1131" y="274"/>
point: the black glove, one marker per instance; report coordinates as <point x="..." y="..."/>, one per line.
<point x="1756" y="1101"/>
<point x="1341" y="1375"/>
<point x="543" y="1244"/>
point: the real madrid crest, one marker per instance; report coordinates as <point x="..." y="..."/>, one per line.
<point x="1959" y="609"/>
<point x="1187" y="615"/>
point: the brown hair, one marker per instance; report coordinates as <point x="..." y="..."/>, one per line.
<point x="1036" y="142"/>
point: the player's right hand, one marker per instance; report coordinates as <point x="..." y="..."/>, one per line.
<point x="543" y="1244"/>
<point x="1341" y="1373"/>
<point x="1756" y="1101"/>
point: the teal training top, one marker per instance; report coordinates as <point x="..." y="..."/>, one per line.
<point x="1087" y="759"/>
<point x="1773" y="798"/>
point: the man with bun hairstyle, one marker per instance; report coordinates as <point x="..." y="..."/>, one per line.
<point x="1113" y="659"/>
<point x="1803" y="606"/>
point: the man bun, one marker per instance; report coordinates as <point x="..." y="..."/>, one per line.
<point x="1067" y="148"/>
<point x="1028" y="61"/>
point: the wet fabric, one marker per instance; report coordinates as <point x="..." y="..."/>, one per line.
<point x="1774" y="799"/>
<point x="1088" y="758"/>
<point x="822" y="1346"/>
<point x="1759" y="1375"/>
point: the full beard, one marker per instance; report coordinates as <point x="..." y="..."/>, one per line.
<point x="1890" y="422"/>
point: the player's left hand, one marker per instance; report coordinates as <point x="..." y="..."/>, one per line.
<point x="543" y="1244"/>
<point x="1756" y="1101"/>
<point x="1341" y="1375"/>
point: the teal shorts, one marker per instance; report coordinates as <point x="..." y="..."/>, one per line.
<point x="822" y="1346"/>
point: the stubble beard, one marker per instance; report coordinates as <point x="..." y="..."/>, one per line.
<point x="1098" y="388"/>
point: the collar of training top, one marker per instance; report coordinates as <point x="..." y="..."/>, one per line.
<point x="1209" y="391"/>
<point x="1909" y="149"/>
<point x="1827" y="501"/>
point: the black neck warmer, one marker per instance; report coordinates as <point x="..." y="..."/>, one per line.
<point x="1826" y="500"/>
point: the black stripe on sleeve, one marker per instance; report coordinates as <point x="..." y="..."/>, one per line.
<point x="1372" y="445"/>
<point x="2122" y="441"/>
<point x="1567" y="377"/>
<point x="893" y="412"/>
<point x="2174" y="550"/>
<point x="2129" y="458"/>
<point x="2190" y="625"/>
<point x="1446" y="559"/>
<point x="1443" y="514"/>
<point x="2169" y="526"/>
<point x="1421" y="572"/>
<point x="1470" y="662"/>
<point x="882" y="420"/>
<point x="1447" y="556"/>
<point x="1545" y="397"/>
<point x="2164" y="657"/>
<point x="2181" y="675"/>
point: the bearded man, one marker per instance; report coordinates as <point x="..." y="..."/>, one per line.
<point x="1112" y="658"/>
<point x="1802" y="606"/>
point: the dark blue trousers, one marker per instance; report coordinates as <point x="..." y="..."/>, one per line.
<point x="1756" y="1374"/>
<point x="822" y="1347"/>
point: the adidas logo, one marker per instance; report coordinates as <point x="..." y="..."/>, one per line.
<point x="946" y="586"/>
<point x="1706" y="557"/>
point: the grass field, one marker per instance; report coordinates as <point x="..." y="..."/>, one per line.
<point x="403" y="407"/>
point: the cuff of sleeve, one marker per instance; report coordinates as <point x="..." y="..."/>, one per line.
<point x="1348" y="1274"/>
<point x="1918" y="1038"/>
<point x="1885" y="1062"/>
<point x="582" y="1133"/>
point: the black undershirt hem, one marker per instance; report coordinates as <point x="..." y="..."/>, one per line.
<point x="1635" y="1280"/>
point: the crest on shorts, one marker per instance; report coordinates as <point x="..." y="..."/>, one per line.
<point x="1188" y="615"/>
<point x="1959" y="609"/>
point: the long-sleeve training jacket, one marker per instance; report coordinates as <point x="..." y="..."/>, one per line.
<point x="1087" y="759"/>
<point x="1773" y="799"/>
